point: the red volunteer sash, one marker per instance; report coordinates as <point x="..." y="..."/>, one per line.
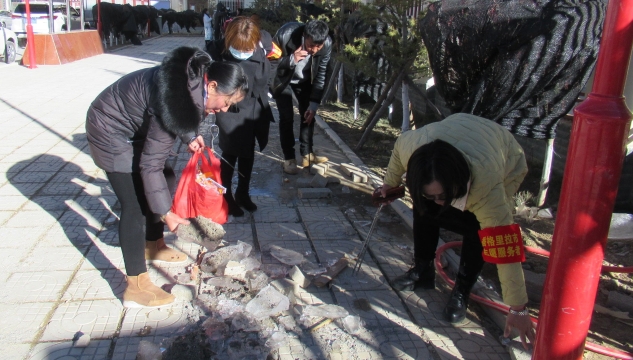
<point x="502" y="244"/>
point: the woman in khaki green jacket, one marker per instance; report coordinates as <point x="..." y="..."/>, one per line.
<point x="462" y="173"/>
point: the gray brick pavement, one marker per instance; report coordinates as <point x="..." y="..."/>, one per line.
<point x="63" y="271"/>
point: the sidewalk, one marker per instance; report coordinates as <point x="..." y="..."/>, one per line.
<point x="63" y="272"/>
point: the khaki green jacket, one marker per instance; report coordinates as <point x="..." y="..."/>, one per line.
<point x="497" y="166"/>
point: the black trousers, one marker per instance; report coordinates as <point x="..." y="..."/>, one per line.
<point x="138" y="224"/>
<point x="244" y="168"/>
<point x="426" y="232"/>
<point x="286" y="119"/>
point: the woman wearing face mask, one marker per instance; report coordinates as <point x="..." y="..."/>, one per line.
<point x="253" y="49"/>
<point x="132" y="127"/>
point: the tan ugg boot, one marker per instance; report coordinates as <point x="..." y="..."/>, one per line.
<point x="141" y="292"/>
<point x="158" y="251"/>
<point x="313" y="159"/>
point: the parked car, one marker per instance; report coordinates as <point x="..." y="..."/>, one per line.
<point x="40" y="18"/>
<point x="8" y="44"/>
<point x="5" y="18"/>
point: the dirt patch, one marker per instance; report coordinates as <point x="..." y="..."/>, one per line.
<point x="605" y="330"/>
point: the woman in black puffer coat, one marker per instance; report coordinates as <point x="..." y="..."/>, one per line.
<point x="132" y="127"/>
<point x="253" y="49"/>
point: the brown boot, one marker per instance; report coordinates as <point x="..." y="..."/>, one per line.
<point x="158" y="251"/>
<point x="141" y="292"/>
<point x="313" y="159"/>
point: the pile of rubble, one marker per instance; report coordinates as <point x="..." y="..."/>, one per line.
<point x="247" y="309"/>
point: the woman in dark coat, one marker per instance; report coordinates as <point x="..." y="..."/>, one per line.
<point x="132" y="127"/>
<point x="244" y="43"/>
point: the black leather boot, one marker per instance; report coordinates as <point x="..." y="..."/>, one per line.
<point x="245" y="169"/>
<point x="226" y="174"/>
<point x="455" y="310"/>
<point x="234" y="208"/>
<point x="420" y="276"/>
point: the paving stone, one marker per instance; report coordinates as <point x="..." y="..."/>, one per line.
<point x="31" y="219"/>
<point x="279" y="232"/>
<point x="126" y="348"/>
<point x="309" y="193"/>
<point x="96" y="350"/>
<point x="97" y="318"/>
<point x="34" y="286"/>
<point x="47" y="202"/>
<point x="21" y="320"/>
<point x="321" y="213"/>
<point x="318" y="181"/>
<point x="20" y="237"/>
<point x="102" y="256"/>
<point x="159" y="321"/>
<point x="51" y="259"/>
<point x="385" y="307"/>
<point x="347" y="168"/>
<point x="33" y="176"/>
<point x="235" y="232"/>
<point x="319" y="169"/>
<point x="15" y="351"/>
<point x="275" y="215"/>
<point x="96" y="285"/>
<point x="330" y="230"/>
<point x="303" y="182"/>
<point x="13" y="202"/>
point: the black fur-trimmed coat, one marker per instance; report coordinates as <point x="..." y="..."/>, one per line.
<point x="133" y="124"/>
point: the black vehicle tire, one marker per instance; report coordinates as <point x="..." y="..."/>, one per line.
<point x="10" y="52"/>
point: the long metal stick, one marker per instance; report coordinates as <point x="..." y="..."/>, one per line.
<point x="363" y="250"/>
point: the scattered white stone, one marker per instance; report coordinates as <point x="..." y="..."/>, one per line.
<point x="148" y="351"/>
<point x="81" y="340"/>
<point x="268" y="302"/>
<point x="298" y="277"/>
<point x="235" y="270"/>
<point x="184" y="292"/>
<point x="328" y="311"/>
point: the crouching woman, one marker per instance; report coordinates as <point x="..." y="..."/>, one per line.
<point x="132" y="127"/>
<point x="462" y="173"/>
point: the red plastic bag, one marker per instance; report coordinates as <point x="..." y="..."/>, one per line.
<point x="192" y="198"/>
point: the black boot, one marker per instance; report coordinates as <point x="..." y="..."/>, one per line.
<point x="226" y="173"/>
<point x="420" y="276"/>
<point x="455" y="310"/>
<point x="245" y="169"/>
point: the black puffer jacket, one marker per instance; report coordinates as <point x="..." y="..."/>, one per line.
<point x="289" y="37"/>
<point x="250" y="118"/>
<point x="132" y="125"/>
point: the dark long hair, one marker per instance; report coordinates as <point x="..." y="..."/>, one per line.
<point x="437" y="161"/>
<point x="230" y="77"/>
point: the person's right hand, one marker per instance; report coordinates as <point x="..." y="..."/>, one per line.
<point x="172" y="220"/>
<point x="384" y="188"/>
<point x="197" y="145"/>
<point x="300" y="54"/>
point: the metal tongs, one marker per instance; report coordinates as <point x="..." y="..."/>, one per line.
<point x="378" y="200"/>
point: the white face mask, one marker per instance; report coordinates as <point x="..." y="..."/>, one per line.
<point x="240" y="55"/>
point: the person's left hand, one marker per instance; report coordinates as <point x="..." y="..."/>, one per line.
<point x="525" y="327"/>
<point x="309" y="116"/>
<point x="197" y="145"/>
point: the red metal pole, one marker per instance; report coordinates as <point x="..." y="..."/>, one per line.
<point x="590" y="184"/>
<point x="99" y="25"/>
<point x="30" y="39"/>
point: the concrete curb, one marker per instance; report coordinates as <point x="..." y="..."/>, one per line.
<point x="515" y="349"/>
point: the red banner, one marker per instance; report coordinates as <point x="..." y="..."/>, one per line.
<point x="502" y="244"/>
